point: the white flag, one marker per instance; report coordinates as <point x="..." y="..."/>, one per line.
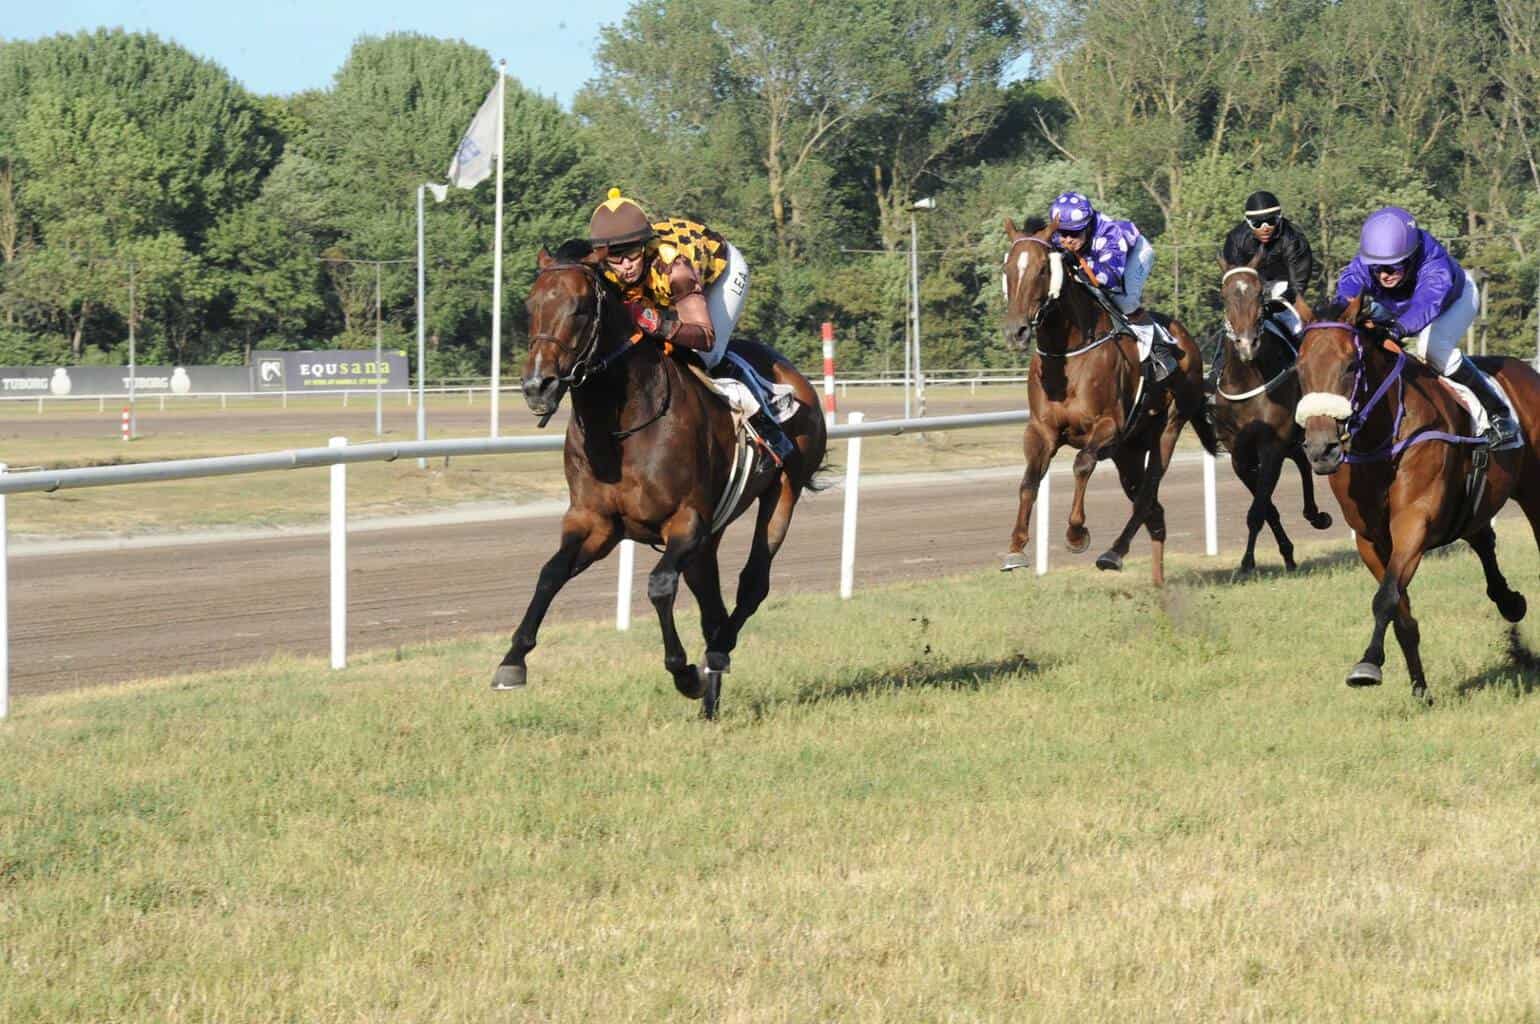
<point x="473" y="158"/>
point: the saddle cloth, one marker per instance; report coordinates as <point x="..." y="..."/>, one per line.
<point x="1478" y="415"/>
<point x="740" y="397"/>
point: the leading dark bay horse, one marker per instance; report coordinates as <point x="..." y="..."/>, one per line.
<point x="1253" y="411"/>
<point x="1399" y="450"/>
<point x="1085" y="388"/>
<point x="649" y="456"/>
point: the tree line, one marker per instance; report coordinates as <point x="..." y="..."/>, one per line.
<point x="138" y="180"/>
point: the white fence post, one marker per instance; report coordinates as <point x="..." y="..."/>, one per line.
<point x="1210" y="507"/>
<point x="852" y="495"/>
<point x="5" y="611"/>
<point x="1040" y="513"/>
<point x="339" y="561"/>
<point x="623" y="590"/>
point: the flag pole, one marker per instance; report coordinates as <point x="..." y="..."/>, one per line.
<point x="497" y="253"/>
<point x="422" y="414"/>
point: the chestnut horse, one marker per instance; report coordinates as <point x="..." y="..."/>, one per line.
<point x="1084" y="389"/>
<point x="1397" y="446"/>
<point x="649" y="453"/>
<point x="1253" y="411"/>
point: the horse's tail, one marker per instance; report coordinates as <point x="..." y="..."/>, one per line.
<point x="824" y="476"/>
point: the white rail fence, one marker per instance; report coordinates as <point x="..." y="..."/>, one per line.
<point x="339" y="453"/>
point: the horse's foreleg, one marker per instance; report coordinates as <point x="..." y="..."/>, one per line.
<point x="1510" y="604"/>
<point x="683" y="536"/>
<point x="703" y="576"/>
<point x="1242" y="462"/>
<point x="1076" y="537"/>
<point x="1039" y="444"/>
<point x="1263" y="510"/>
<point x="1317" y="518"/>
<point x="585" y="538"/>
<point x="1407" y="535"/>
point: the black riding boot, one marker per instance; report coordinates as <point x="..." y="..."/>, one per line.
<point x="1164" y="357"/>
<point x="1501" y="429"/>
<point x="772" y="434"/>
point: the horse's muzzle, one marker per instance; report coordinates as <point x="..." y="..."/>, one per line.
<point x="1323" y="445"/>
<point x="541" y="394"/>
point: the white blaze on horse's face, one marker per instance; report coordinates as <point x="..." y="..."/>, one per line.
<point x="1055" y="274"/>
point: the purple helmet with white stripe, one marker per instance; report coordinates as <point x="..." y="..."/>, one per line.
<point x="1389" y="236"/>
<point x="1073" y="211"/>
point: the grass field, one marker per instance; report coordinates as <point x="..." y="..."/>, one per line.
<point x="983" y="798"/>
<point x="66" y="437"/>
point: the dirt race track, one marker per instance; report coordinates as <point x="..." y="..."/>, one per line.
<point x="91" y="617"/>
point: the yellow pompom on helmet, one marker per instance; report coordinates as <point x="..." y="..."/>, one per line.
<point x="618" y="221"/>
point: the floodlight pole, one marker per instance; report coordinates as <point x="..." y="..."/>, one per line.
<point x="928" y="203"/>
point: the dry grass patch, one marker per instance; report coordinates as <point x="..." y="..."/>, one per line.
<point x="988" y="798"/>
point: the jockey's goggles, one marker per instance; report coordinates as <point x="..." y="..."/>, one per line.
<point x="1266" y="220"/>
<point x="629" y="252"/>
<point x="1389" y="268"/>
<point x="1072" y="232"/>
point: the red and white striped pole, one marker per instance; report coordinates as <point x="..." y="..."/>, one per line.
<point x="127" y="430"/>
<point x="829" y="414"/>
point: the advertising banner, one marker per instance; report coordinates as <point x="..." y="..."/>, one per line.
<point x="64" y="381"/>
<point x="334" y="370"/>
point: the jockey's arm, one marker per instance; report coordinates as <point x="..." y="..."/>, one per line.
<point x="694" y="328"/>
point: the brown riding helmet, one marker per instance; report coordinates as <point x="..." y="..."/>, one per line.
<point x="617" y="222"/>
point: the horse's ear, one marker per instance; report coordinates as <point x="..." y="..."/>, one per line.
<point x="1353" y="310"/>
<point x="1224" y="264"/>
<point x="544" y="259"/>
<point x="1010" y="228"/>
<point x="1256" y="259"/>
<point x="594" y="257"/>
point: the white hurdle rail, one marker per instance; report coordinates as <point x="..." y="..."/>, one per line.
<point x="339" y="453"/>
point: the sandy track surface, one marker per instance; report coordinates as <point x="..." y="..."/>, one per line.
<point x="89" y="617"/>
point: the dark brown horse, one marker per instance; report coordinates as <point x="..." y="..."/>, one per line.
<point x="1398" y="447"/>
<point x="1253" y="411"/>
<point x="1081" y="390"/>
<point x="649" y="454"/>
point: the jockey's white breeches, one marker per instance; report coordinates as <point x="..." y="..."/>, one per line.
<point x="1141" y="260"/>
<point x="725" y="299"/>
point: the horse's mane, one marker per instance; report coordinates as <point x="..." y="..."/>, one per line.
<point x="573" y="250"/>
<point x="1332" y="310"/>
<point x="1034" y="224"/>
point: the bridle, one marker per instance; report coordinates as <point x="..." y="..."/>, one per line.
<point x="1021" y="279"/>
<point x="1267" y="325"/>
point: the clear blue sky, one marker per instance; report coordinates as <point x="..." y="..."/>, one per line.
<point x="283" y="46"/>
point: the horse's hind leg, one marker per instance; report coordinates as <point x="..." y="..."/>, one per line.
<point x="1039" y="444"/>
<point x="1313" y="514"/>
<point x="771" y="521"/>
<point x="585" y="538"/>
<point x="1145" y="495"/>
<point x="1510" y="603"/>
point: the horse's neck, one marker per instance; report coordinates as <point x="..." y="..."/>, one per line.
<point x="1083" y="320"/>
<point x="625" y="393"/>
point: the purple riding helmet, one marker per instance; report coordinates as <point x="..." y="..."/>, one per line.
<point x="1073" y="210"/>
<point x="1389" y="236"/>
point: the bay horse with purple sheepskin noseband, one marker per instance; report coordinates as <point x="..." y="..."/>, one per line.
<point x="1081" y="390"/>
<point x="648" y="457"/>
<point x="1396" y="444"/>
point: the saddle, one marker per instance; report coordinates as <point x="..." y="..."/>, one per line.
<point x="744" y="405"/>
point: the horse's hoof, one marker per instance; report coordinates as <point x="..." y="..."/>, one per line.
<point x="1243" y="572"/>
<point x="1110" y="561"/>
<point x="1077" y="541"/>
<point x="510" y="677"/>
<point x="689" y="682"/>
<point x="1015" y="560"/>
<point x="1513" y="607"/>
<point x="719" y="661"/>
<point x="1364" y="674"/>
<point x="1321" y="520"/>
<point x="1421" y="695"/>
<point x="711" y="693"/>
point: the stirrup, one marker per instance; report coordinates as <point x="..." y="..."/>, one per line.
<point x="1500" y="431"/>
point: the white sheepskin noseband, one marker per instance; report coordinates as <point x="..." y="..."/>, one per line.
<point x="1322" y="403"/>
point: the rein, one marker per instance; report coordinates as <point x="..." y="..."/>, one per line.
<point x="1037" y="318"/>
<point x="1262" y="389"/>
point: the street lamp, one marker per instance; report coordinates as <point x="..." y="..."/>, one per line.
<point x="928" y="203"/>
